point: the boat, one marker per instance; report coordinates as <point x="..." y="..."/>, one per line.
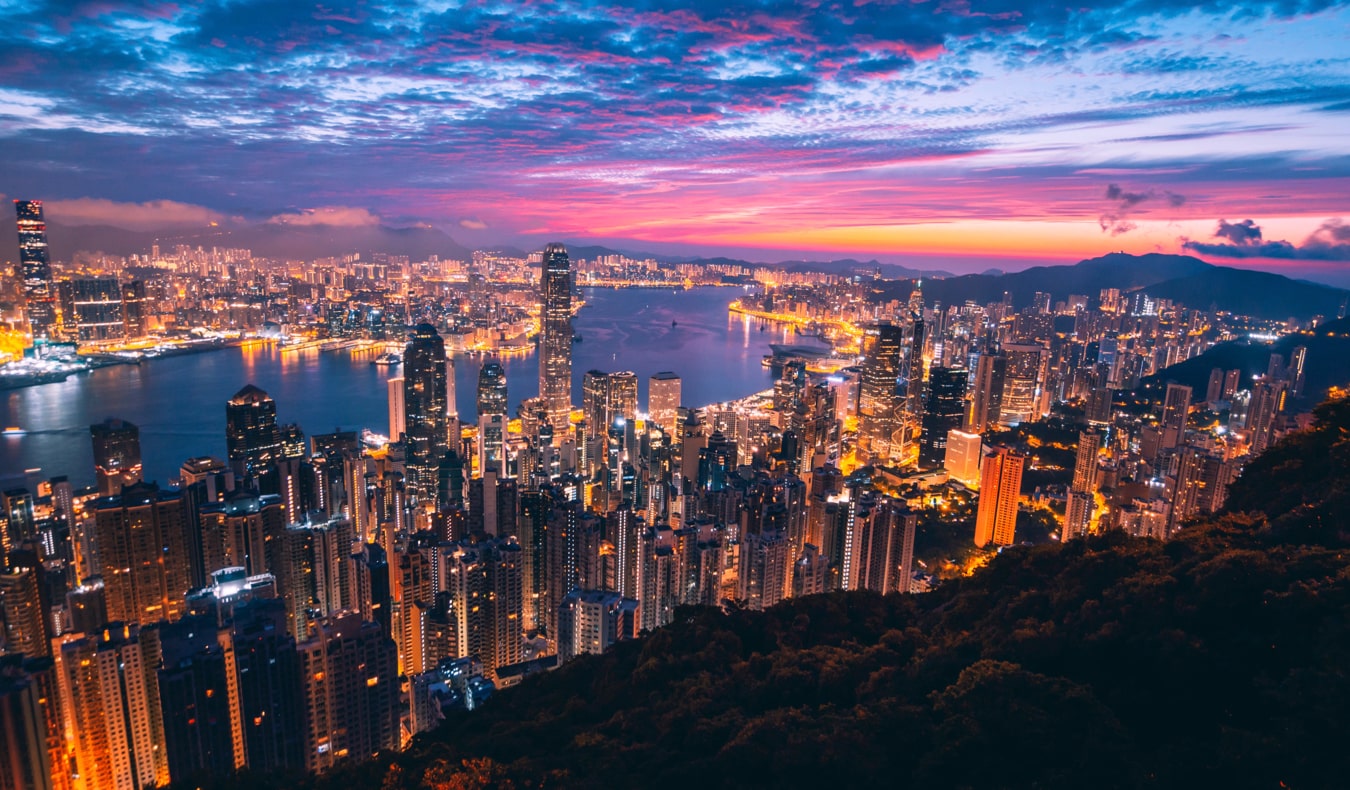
<point x="387" y="358"/>
<point x="803" y="350"/>
<point x="674" y="323"/>
<point x="576" y="338"/>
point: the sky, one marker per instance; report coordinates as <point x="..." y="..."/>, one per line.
<point x="969" y="131"/>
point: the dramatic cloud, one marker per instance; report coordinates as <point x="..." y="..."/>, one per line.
<point x="1243" y="233"/>
<point x="681" y="121"/>
<point x="473" y="224"/>
<point x="335" y="216"/>
<point x="151" y="215"/>
<point x="1330" y="242"/>
<point x="1123" y="204"/>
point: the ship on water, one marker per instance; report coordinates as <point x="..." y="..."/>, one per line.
<point x="807" y="346"/>
<point x="387" y="358"/>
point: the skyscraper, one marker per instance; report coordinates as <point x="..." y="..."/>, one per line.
<point x="24" y="762"/>
<point x="1000" y="487"/>
<point x="1082" y="490"/>
<point x="1176" y="408"/>
<point x="492" y="389"/>
<point x="607" y="398"/>
<point x="143" y="541"/>
<point x="252" y="438"/>
<point x="398" y="419"/>
<point x="23" y="617"/>
<point x="349" y="671"/>
<point x="35" y="269"/>
<point x="663" y="399"/>
<point x="555" y="338"/>
<point x="91" y="309"/>
<point x="883" y="347"/>
<point x="1023" y="384"/>
<point x="425" y="410"/>
<point x="990" y="374"/>
<point x="117" y="455"/>
<point x="108" y="682"/>
<point x="945" y="412"/>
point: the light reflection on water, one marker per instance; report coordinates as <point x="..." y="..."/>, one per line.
<point x="179" y="402"/>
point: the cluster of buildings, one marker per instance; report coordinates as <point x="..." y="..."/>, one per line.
<point x="309" y="599"/>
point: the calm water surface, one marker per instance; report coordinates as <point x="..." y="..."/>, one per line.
<point x="179" y="402"/>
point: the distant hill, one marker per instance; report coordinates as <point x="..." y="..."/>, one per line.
<point x="1182" y="278"/>
<point x="1213" y="660"/>
<point x="1088" y="277"/>
<point x="1253" y="293"/>
<point x="266" y="240"/>
<point x="1327" y="364"/>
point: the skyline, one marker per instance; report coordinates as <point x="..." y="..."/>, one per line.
<point x="975" y="135"/>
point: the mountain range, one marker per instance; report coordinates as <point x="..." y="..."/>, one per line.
<point x="1181" y="278"/>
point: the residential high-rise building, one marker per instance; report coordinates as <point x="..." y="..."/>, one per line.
<point x="663" y="399"/>
<point x="22" y="613"/>
<point x="1000" y="488"/>
<point x="108" y="682"/>
<point x="143" y="539"/>
<point x="1176" y="408"/>
<point x="117" y="455"/>
<point x="1297" y="376"/>
<point x="485" y="582"/>
<point x="267" y="690"/>
<point x="593" y="620"/>
<point x="878" y="399"/>
<point x="350" y="684"/>
<point x="425" y="410"/>
<point x="1267" y="402"/>
<point x="555" y="338"/>
<point x="194" y="681"/>
<point x="1083" y="487"/>
<point x="24" y="760"/>
<point x="35" y="269"/>
<point x="398" y="415"/>
<point x="944" y="413"/>
<point x="252" y="438"/>
<point x="1214" y="389"/>
<point x="492" y="389"/>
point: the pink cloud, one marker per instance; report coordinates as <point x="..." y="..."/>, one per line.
<point x="150" y="215"/>
<point x="336" y="216"/>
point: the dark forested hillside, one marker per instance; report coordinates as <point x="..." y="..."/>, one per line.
<point x="1218" y="659"/>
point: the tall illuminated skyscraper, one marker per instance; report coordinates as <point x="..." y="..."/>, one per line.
<point x="663" y="399"/>
<point x="1082" y="490"/>
<point x="492" y="389"/>
<point x="117" y="455"/>
<point x="946" y="412"/>
<point x="397" y="415"/>
<point x="1000" y="487"/>
<point x="144" y="544"/>
<point x="425" y="411"/>
<point x="35" y="269"/>
<point x="252" y="438"/>
<point x="1176" y="408"/>
<point x="878" y="400"/>
<point x="555" y="338"/>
